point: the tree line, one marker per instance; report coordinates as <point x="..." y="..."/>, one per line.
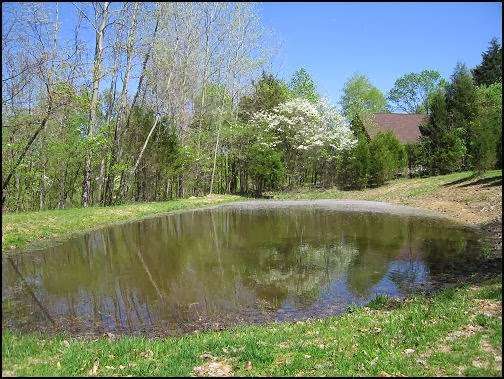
<point x="175" y="100"/>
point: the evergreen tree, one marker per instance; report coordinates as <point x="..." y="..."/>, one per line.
<point x="486" y="139"/>
<point x="442" y="147"/>
<point x="462" y="103"/>
<point x="490" y="69"/>
<point x="354" y="165"/>
<point x="302" y="85"/>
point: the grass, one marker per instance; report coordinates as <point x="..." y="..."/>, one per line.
<point x="456" y="332"/>
<point x="20" y="230"/>
<point x="403" y="188"/>
<point x="461" y="196"/>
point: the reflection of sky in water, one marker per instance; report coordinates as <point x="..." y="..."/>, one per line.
<point x="216" y="266"/>
<point x="401" y="278"/>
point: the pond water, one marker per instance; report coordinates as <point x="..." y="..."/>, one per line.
<point x="252" y="262"/>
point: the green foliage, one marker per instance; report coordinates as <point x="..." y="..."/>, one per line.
<point x="387" y="158"/>
<point x="487" y="135"/>
<point x="302" y="85"/>
<point x="354" y="166"/>
<point x="359" y="96"/>
<point x="490" y="69"/>
<point x="411" y="92"/>
<point x="265" y="167"/>
<point x="461" y="101"/>
<point x="442" y="147"/>
<point x="267" y="94"/>
<point x="381" y="164"/>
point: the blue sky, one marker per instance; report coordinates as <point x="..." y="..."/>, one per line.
<point x="382" y="40"/>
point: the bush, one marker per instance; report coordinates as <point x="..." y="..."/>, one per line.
<point x="482" y="148"/>
<point x="387" y="158"/>
<point x="265" y="167"/>
<point x="353" y="167"/>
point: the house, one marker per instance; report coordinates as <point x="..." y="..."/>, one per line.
<point x="406" y="127"/>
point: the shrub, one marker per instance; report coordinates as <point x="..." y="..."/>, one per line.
<point x="387" y="158"/>
<point x="353" y="167"/>
<point x="265" y="167"/>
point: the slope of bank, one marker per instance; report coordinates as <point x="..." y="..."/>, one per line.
<point x="456" y="332"/>
<point x="21" y="230"/>
<point x="460" y="196"/>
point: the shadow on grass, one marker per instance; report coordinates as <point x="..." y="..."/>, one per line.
<point x="459" y="181"/>
<point x="489" y="182"/>
<point x="498" y="182"/>
<point x="469" y="181"/>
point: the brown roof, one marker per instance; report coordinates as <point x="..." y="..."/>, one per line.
<point x="404" y="126"/>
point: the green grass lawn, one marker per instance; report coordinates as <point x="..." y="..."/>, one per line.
<point x="403" y="188"/>
<point x="457" y="332"/>
<point x="20" y="229"/>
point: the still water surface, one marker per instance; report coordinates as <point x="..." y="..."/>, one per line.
<point x="216" y="267"/>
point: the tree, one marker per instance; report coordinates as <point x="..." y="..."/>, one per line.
<point x="387" y="158"/>
<point x="486" y="136"/>
<point x="353" y="168"/>
<point x="411" y="92"/>
<point x="100" y="23"/>
<point x="265" y="167"/>
<point x="303" y="86"/>
<point x="489" y="71"/>
<point x="442" y="147"/>
<point x="461" y="101"/>
<point x="268" y="92"/>
<point x="359" y="95"/>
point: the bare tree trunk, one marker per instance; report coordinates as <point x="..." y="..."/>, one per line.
<point x="7" y="180"/>
<point x="98" y="58"/>
<point x="123" y="110"/>
<point x="156" y="120"/>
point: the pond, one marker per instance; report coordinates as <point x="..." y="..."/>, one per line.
<point x="249" y="262"/>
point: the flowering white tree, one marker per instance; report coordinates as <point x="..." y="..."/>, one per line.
<point x="300" y="125"/>
<point x="305" y="132"/>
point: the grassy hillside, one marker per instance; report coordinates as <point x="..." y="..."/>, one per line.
<point x="20" y="229"/>
<point x="457" y="332"/>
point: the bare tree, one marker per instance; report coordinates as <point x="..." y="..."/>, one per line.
<point x="101" y="11"/>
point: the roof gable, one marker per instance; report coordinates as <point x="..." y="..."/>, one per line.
<point x="404" y="126"/>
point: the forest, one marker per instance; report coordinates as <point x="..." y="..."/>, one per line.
<point x="141" y="102"/>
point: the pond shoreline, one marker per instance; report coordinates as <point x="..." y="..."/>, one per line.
<point x="470" y="308"/>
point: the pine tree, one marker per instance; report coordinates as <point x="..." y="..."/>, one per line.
<point x="462" y="103"/>
<point x="442" y="147"/>
<point x="490" y="69"/>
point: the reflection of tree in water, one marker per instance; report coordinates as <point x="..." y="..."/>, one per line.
<point x="408" y="271"/>
<point x="454" y="251"/>
<point x="379" y="240"/>
<point x="301" y="274"/>
<point x="407" y="275"/>
<point x="220" y="262"/>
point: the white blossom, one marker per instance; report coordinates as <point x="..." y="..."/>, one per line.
<point x="305" y="126"/>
